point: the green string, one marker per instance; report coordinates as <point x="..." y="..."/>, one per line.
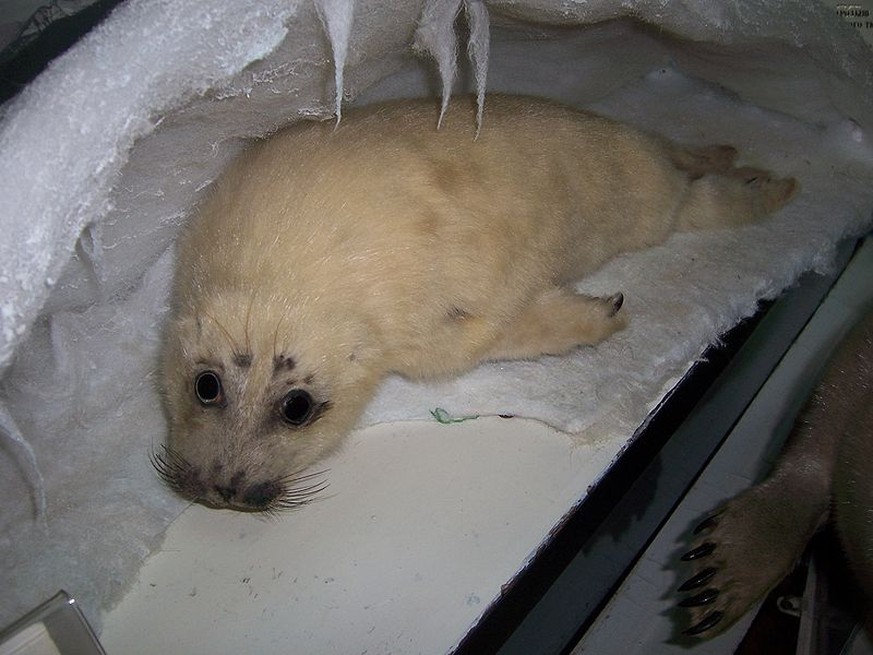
<point x="442" y="416"/>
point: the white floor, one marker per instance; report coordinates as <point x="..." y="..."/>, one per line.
<point x="393" y="559"/>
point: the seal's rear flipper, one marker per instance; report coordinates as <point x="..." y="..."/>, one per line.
<point x="734" y="198"/>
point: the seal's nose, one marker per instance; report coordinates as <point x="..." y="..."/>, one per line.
<point x="227" y="490"/>
<point x="226" y="493"/>
<point x="261" y="496"/>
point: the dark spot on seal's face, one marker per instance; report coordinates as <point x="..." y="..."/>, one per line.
<point x="208" y="389"/>
<point x="283" y="363"/>
<point x="243" y="360"/>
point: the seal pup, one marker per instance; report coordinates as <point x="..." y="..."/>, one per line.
<point x="329" y="256"/>
<point x="745" y="548"/>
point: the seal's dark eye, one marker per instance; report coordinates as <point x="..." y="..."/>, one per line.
<point x="207" y="388"/>
<point x="296" y="407"/>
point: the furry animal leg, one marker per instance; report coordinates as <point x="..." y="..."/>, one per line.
<point x="853" y="484"/>
<point x="746" y="547"/>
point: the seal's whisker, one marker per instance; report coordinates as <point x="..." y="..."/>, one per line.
<point x="176" y="472"/>
<point x="233" y="346"/>
<point x="276" y="334"/>
<point x="295" y="493"/>
<point x="168" y="461"/>
<point x="297" y="477"/>
<point x="248" y="323"/>
<point x="275" y="339"/>
<point x="296" y="497"/>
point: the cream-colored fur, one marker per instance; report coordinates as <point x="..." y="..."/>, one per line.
<point x="387" y="246"/>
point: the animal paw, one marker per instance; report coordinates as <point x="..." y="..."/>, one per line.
<point x="590" y="320"/>
<point x="739" y="554"/>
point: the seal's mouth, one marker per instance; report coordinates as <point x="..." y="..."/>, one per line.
<point x="270" y="496"/>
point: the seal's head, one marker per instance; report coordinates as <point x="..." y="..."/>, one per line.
<point x="253" y="398"/>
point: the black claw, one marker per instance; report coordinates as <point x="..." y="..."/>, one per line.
<point x="705" y="597"/>
<point x="709" y="621"/>
<point x="617" y="301"/>
<point x="703" y="550"/>
<point x="698" y="580"/>
<point x="706" y="524"/>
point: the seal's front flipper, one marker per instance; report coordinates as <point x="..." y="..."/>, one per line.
<point x="557" y="321"/>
